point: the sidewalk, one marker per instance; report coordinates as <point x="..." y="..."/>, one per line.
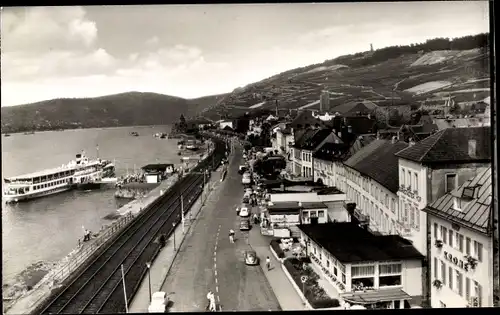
<point x="161" y="265"/>
<point x="288" y="298"/>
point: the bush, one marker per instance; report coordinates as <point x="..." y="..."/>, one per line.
<point x="277" y="249"/>
<point x="326" y="303"/>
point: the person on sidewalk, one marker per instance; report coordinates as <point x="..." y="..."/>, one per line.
<point x="231" y="235"/>
<point x="211" y="301"/>
<point x="268" y="263"/>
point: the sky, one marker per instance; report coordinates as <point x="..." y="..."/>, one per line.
<point x="197" y="50"/>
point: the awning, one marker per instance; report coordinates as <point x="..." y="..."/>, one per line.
<point x="374" y="296"/>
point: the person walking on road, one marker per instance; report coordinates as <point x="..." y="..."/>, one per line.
<point x="211" y="301"/>
<point x="231" y="236"/>
<point x="268" y="263"/>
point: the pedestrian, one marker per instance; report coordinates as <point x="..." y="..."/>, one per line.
<point x="231" y="236"/>
<point x="268" y="263"/>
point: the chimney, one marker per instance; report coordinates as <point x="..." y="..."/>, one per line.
<point x="472" y="149"/>
<point x="394" y="139"/>
<point x="349" y="129"/>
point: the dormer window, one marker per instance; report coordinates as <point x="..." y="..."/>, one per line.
<point x="468" y="193"/>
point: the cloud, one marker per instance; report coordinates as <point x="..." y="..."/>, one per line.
<point x="45" y="28"/>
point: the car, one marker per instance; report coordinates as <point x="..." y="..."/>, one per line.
<point x="244" y="212"/>
<point x="244" y="225"/>
<point x="251" y="258"/>
<point x="159" y="302"/>
<point x="247" y="179"/>
<point x="248" y="191"/>
<point x="242" y="169"/>
<point x="246" y="199"/>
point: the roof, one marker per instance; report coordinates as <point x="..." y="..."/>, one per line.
<point x="303" y="137"/>
<point x="315" y="140"/>
<point x="374" y="296"/>
<point x="304" y="119"/>
<point x="477" y="212"/>
<point x="292" y="205"/>
<point x="451" y="145"/>
<point x="352" y="107"/>
<point x="349" y="243"/>
<point x="358" y="144"/>
<point x="162" y="167"/>
<point x="377" y="161"/>
<point x="331" y="151"/>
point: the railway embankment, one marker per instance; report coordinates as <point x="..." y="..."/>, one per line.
<point x="27" y="301"/>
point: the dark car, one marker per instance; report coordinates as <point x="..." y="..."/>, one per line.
<point x="244" y="225"/>
<point x="251" y="258"/>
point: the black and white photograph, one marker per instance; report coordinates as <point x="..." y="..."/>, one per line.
<point x="248" y="157"/>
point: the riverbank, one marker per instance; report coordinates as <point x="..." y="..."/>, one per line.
<point x="22" y="299"/>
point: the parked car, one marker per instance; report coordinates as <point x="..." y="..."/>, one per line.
<point x="247" y="179"/>
<point x="251" y="258"/>
<point x="244" y="225"/>
<point x="159" y="302"/>
<point x="242" y="169"/>
<point x="244" y="212"/>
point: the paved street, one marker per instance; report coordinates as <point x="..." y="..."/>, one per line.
<point x="197" y="269"/>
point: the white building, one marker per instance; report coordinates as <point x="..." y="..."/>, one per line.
<point x="225" y="123"/>
<point x="371" y="178"/>
<point x="369" y="270"/>
<point x="461" y="251"/>
<point x="437" y="165"/>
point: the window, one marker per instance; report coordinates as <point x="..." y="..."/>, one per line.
<point x="436" y="231"/>
<point x="477" y="292"/>
<point x="444" y="233"/>
<point x="327" y="264"/>
<point x="478" y="251"/>
<point x="443" y="272"/>
<point x="362" y="271"/>
<point x="459" y="242"/>
<point x="393" y="205"/>
<point x="467" y="287"/>
<point x="389" y="269"/>
<point x="460" y="283"/>
<point x="450" y="278"/>
<point x="436" y="268"/>
<point x="409" y="180"/>
<point x="450" y="237"/>
<point x="467" y="245"/>
<point x="402" y="177"/>
<point x="450" y="183"/>
<point x="321" y="214"/>
<point x="416" y="182"/>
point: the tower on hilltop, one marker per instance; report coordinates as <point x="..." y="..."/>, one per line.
<point x="371" y="47"/>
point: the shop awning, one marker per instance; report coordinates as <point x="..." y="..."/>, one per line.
<point x="374" y="296"/>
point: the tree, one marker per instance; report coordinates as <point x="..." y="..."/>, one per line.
<point x="182" y="126"/>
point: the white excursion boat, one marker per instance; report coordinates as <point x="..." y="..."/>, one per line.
<point x="52" y="181"/>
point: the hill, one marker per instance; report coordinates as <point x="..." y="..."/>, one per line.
<point x="132" y="108"/>
<point x="400" y="77"/>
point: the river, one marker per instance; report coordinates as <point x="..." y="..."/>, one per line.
<point x="47" y="229"/>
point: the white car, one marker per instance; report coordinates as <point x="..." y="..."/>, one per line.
<point x="159" y="302"/>
<point x="244" y="212"/>
<point x="246" y="179"/>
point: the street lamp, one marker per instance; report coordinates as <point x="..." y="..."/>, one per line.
<point x="173" y="224"/>
<point x="148" y="264"/>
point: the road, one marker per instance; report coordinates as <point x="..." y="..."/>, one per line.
<point x="208" y="261"/>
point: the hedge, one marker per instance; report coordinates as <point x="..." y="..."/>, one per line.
<point x="277" y="249"/>
<point x="292" y="265"/>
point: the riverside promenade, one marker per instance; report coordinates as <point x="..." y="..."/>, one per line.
<point x="27" y="301"/>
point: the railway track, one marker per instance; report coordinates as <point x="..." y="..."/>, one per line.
<point x="98" y="286"/>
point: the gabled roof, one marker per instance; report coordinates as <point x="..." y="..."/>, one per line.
<point x="358" y="144"/>
<point x="301" y="138"/>
<point x="377" y="161"/>
<point x="451" y="145"/>
<point x="350" y="243"/>
<point x="331" y="151"/>
<point x="477" y="213"/>
<point x="315" y="140"/>
<point x="304" y="119"/>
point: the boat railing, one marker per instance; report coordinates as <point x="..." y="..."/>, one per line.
<point x="83" y="253"/>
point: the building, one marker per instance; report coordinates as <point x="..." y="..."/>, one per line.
<point x="282" y="139"/>
<point x="324" y="168"/>
<point x="461" y="251"/>
<point x="226" y="123"/>
<point x="365" y="268"/>
<point x="371" y="178"/>
<point x="324" y="101"/>
<point x="435" y="166"/>
<point x="304" y="147"/>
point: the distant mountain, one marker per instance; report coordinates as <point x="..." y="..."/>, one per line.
<point x="397" y="77"/>
<point x="125" y="109"/>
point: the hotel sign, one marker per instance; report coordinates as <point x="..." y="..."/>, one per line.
<point x="458" y="262"/>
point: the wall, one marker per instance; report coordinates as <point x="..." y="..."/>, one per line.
<point x="412" y="278"/>
<point x="370" y="198"/>
<point x="337" y="212"/>
<point x="482" y="273"/>
<point x="306" y="197"/>
<point x="463" y="171"/>
<point x="325" y="171"/>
